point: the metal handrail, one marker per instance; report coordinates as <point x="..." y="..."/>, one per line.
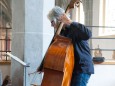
<point x="102" y="26"/>
<point x="21" y="62"/>
<point x="104" y="49"/>
<point x="100" y="38"/>
<point x="17" y="59"/>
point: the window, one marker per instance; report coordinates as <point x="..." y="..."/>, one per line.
<point x="5" y="29"/>
<point x="98" y="15"/>
<point x="78" y="14"/>
<point x="105" y="29"/>
<point x="5" y="42"/>
<point x="107" y="17"/>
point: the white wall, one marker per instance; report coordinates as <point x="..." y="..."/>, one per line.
<point x="104" y="76"/>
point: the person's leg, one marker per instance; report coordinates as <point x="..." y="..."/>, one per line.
<point x="80" y="79"/>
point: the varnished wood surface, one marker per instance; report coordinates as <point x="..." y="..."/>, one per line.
<point x="56" y="54"/>
<point x="52" y="78"/>
<point x="5" y="62"/>
<point x="106" y="62"/>
<point x="58" y="63"/>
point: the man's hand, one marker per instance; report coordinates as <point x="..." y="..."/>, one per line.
<point x="64" y="19"/>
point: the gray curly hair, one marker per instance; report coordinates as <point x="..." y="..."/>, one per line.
<point x="55" y="13"/>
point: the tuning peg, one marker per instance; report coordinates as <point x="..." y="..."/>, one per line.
<point x="77" y="4"/>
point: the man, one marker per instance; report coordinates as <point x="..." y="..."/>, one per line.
<point x="83" y="67"/>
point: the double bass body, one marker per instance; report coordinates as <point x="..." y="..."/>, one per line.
<point x="58" y="63"/>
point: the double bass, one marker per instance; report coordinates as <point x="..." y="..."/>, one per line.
<point x="58" y="62"/>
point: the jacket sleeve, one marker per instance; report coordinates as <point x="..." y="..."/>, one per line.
<point x="80" y="31"/>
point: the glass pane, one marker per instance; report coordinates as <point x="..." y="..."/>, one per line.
<point x="5" y="29"/>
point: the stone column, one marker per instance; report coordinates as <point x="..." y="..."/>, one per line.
<point x="18" y="37"/>
<point x="30" y="29"/>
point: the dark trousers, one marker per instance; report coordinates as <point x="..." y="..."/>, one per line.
<point x="80" y="79"/>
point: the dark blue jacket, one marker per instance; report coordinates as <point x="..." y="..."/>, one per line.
<point x="80" y="35"/>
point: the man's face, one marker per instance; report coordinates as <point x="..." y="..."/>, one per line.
<point x="55" y="23"/>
